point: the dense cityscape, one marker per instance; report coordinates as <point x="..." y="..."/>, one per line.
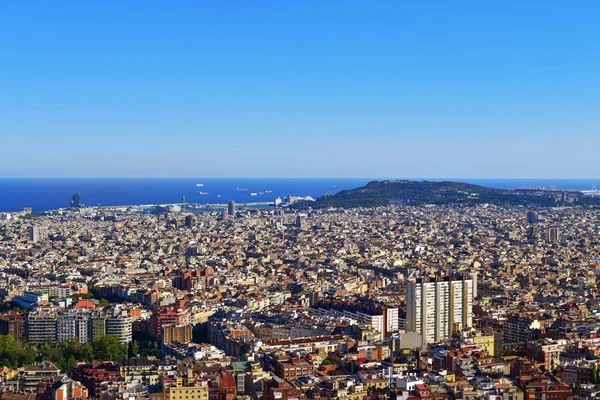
<point x="299" y="200"/>
<point x="411" y="302"/>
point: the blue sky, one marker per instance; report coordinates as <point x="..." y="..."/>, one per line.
<point x="415" y="88"/>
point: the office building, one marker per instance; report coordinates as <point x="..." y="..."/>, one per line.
<point x="38" y="233"/>
<point x="552" y="234"/>
<point x="532" y="217"/>
<point x="437" y="308"/>
<point x="231" y="208"/>
<point x="189" y="221"/>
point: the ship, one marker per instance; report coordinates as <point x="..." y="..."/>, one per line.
<point x="253" y="194"/>
<point x="203" y="193"/>
<point x="268" y="191"/>
<point x="593" y="192"/>
<point x="199" y="184"/>
<point x="261" y="192"/>
<point x="242" y="188"/>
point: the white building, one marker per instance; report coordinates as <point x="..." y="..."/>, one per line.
<point x="437" y="309"/>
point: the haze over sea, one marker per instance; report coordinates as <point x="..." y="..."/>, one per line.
<point x="51" y="193"/>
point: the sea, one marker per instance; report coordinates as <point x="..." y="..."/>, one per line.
<point x="52" y="193"/>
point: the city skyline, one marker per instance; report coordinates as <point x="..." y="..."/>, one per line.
<point x="427" y="89"/>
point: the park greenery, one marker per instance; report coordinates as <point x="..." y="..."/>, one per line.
<point x="14" y="354"/>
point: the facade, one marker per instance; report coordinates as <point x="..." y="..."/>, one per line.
<point x="163" y="316"/>
<point x="67" y="389"/>
<point x="65" y="327"/>
<point x="176" y="333"/>
<point x="437" y="309"/>
<point x="178" y="391"/>
<point x="91" y="375"/>
<point x="120" y="327"/>
<point x="97" y="326"/>
<point x="38" y="233"/>
<point x="13" y="324"/>
<point x="231" y="208"/>
<point x="552" y="234"/>
<point x="41" y="326"/>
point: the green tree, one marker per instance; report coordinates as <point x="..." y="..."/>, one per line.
<point x="26" y="355"/>
<point x="85" y="353"/>
<point x="45" y="352"/>
<point x="8" y="351"/>
<point x="134" y="348"/>
<point x="104" y="303"/>
<point x="108" y="348"/>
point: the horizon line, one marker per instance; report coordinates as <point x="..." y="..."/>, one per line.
<point x="295" y="177"/>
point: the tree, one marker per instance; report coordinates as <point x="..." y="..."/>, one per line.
<point x="134" y="348"/>
<point x="104" y="303"/>
<point x="45" y="352"/>
<point x="86" y="353"/>
<point x="8" y="350"/>
<point x="108" y="348"/>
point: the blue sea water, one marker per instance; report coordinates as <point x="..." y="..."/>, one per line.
<point x="47" y="194"/>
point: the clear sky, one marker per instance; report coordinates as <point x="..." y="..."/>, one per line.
<point x="415" y="88"/>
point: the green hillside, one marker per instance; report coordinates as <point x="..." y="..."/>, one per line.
<point x="381" y="193"/>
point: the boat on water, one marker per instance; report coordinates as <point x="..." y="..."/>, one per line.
<point x="261" y="192"/>
<point x="242" y="188"/>
<point x="199" y="184"/>
<point x="268" y="191"/>
<point x="203" y="193"/>
<point x="593" y="192"/>
<point x="253" y="194"/>
<point x="219" y="195"/>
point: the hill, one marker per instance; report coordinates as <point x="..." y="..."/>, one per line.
<point x="381" y="193"/>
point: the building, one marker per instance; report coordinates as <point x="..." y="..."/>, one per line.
<point x="189" y="221"/>
<point x="176" y="333"/>
<point x="40" y="376"/>
<point x="97" y="326"/>
<point x="65" y="326"/>
<point x="280" y="389"/>
<point x="67" y="389"/>
<point x="163" y="316"/>
<point x="190" y="390"/>
<point x="437" y="309"/>
<point x="532" y="217"/>
<point x="82" y="327"/>
<point x="38" y="233"/>
<point x="141" y="369"/>
<point x="91" y="375"/>
<point x="14" y="324"/>
<point x="41" y="326"/>
<point x="120" y="327"/>
<point x="292" y="368"/>
<point x="231" y="208"/>
<point x="552" y="234"/>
